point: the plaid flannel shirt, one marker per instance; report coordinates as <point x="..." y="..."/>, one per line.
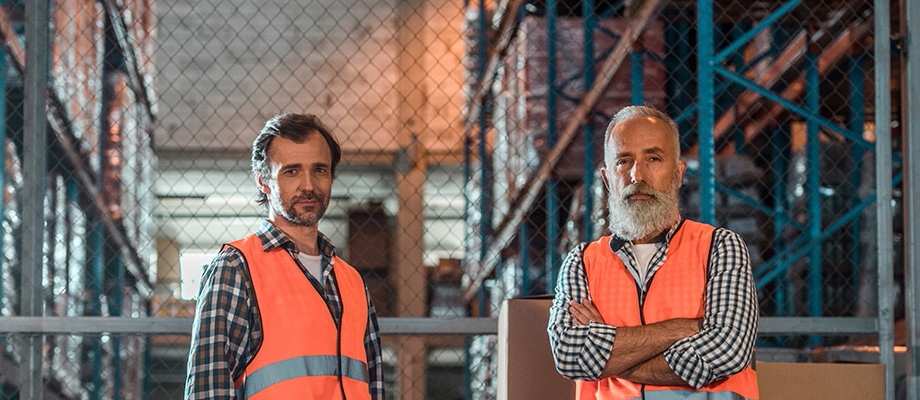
<point x="227" y="328"/>
<point x="723" y="347"/>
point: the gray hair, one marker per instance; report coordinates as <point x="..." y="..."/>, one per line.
<point x="630" y="112"/>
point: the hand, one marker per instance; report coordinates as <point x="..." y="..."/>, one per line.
<point x="584" y="312"/>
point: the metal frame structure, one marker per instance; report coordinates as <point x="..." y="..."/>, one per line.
<point x="911" y="123"/>
<point x="35" y="144"/>
<point x="34" y="326"/>
<point x="709" y="68"/>
<point x="45" y="117"/>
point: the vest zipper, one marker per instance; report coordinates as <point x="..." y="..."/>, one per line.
<point x="641" y="293"/>
<point x="337" y="322"/>
<point x="338" y="338"/>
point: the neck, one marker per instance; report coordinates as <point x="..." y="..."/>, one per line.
<point x="304" y="237"/>
<point x="652" y="238"/>
<point x="646" y="240"/>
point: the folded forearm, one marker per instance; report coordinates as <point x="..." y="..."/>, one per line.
<point x="635" y="345"/>
<point x="654" y="371"/>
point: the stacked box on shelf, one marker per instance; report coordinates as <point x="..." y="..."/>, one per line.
<point x="522" y="134"/>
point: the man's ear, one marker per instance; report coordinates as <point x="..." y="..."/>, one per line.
<point x="260" y="181"/>
<point x="681" y="167"/>
<point x="603" y="172"/>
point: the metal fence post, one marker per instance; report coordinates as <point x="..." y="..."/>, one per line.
<point x="35" y="129"/>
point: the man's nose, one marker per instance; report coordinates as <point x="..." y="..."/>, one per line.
<point x="636" y="173"/>
<point x="306" y="183"/>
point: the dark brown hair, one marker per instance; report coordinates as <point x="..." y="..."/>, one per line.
<point x="296" y="127"/>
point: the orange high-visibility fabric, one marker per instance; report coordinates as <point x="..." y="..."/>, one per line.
<point x="677" y="290"/>
<point x="297" y="323"/>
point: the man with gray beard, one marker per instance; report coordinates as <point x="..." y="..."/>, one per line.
<point x="663" y="307"/>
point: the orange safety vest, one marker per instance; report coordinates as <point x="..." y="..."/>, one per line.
<point x="303" y="354"/>
<point x="677" y="290"/>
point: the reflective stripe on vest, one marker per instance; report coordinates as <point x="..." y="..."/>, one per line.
<point x="300" y="367"/>
<point x="690" y="395"/>
<point x="677" y="290"/>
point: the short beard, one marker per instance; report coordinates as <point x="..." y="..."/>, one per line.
<point x="290" y="213"/>
<point x="637" y="219"/>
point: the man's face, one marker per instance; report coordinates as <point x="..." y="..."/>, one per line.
<point x="643" y="173"/>
<point x="299" y="180"/>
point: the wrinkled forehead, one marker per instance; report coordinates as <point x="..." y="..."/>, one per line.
<point x="640" y="133"/>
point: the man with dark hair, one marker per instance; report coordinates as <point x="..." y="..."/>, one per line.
<point x="279" y="315"/>
<point x="663" y="308"/>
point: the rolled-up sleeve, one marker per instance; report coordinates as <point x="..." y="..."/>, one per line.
<point x="725" y="344"/>
<point x="579" y="351"/>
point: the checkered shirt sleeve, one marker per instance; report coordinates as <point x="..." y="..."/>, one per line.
<point x="580" y="351"/>
<point x="724" y="346"/>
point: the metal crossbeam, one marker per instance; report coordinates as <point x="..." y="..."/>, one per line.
<point x="769" y="326"/>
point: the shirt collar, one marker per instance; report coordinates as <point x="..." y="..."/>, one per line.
<point x="617" y="243"/>
<point x="272" y="237"/>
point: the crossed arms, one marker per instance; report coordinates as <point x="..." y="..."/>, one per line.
<point x="637" y="353"/>
<point x="671" y="352"/>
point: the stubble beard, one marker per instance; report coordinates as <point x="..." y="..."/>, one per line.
<point x="306" y="218"/>
<point x="637" y="219"/>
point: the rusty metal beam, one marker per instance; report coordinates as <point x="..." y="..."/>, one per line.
<point x="508" y="25"/>
<point x="790" y="55"/>
<point x="11" y="42"/>
<point x="501" y="237"/>
<point x="830" y="56"/>
<point x="135" y="77"/>
<point x="786" y="60"/>
<point x="62" y="128"/>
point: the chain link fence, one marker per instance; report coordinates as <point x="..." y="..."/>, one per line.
<point x="471" y="133"/>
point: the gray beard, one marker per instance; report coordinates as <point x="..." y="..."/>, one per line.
<point x="636" y="219"/>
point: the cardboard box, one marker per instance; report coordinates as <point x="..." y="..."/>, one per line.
<point x="820" y="381"/>
<point x="525" y="363"/>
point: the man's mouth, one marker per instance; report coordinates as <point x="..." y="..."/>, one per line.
<point x="307" y="201"/>
<point x="640" y="196"/>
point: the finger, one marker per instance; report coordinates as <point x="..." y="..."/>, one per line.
<point x="578" y="308"/>
<point x="588" y="305"/>
<point x="578" y="312"/>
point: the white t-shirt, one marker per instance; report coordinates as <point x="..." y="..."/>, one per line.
<point x="644" y="253"/>
<point x="312" y="264"/>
